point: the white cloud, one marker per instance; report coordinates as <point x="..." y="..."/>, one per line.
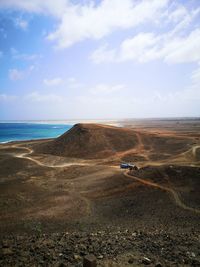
<point x="195" y="78"/>
<point x="180" y="17"/>
<point x="180" y="103"/>
<point x="22" y="56"/>
<point x="3" y="33"/>
<point x="103" y="54"/>
<point x="70" y="83"/>
<point x="55" y="8"/>
<point x="53" y="82"/>
<point x="37" y="97"/>
<point x="73" y="83"/>
<point x="87" y="20"/>
<point x="15" y="74"/>
<point x="107" y="89"/>
<point x="94" y="22"/>
<point x="146" y="47"/>
<point x="138" y="48"/>
<point x="6" y="98"/>
<point x="178" y="43"/>
<point x="177" y="14"/>
<point x="183" y="49"/>
<point x="21" y="23"/>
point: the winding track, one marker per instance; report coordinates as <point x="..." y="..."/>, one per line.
<point x="167" y="189"/>
<point x="30" y="151"/>
<point x="126" y="173"/>
<point x="138" y="149"/>
<point x="194" y="150"/>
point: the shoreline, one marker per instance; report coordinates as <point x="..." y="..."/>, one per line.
<point x="15" y="131"/>
<point x="28" y="140"/>
<point x="64" y="122"/>
<point x="53" y="123"/>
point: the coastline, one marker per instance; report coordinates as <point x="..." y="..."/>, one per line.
<point x="65" y="122"/>
<point x="55" y="125"/>
<point x="27" y="141"/>
<point x="19" y="132"/>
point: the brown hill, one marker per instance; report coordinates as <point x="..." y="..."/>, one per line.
<point x="90" y="141"/>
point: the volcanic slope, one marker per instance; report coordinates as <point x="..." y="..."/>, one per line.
<point x="90" y="141"/>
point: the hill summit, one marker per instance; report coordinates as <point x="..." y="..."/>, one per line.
<point x="90" y="141"/>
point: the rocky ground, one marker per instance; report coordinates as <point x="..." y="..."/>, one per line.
<point x="111" y="248"/>
<point x="54" y="210"/>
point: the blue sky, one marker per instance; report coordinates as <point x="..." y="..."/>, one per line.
<point x="99" y="59"/>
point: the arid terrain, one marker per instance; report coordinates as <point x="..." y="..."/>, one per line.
<point x="61" y="199"/>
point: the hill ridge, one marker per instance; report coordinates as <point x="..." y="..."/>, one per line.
<point x="90" y="141"/>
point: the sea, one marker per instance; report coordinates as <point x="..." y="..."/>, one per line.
<point x="30" y="131"/>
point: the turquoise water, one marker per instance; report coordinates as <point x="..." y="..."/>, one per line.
<point x="29" y="131"/>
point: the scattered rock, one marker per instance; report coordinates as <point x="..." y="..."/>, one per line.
<point x="89" y="261"/>
<point x="62" y="250"/>
<point x="100" y="257"/>
<point x="131" y="261"/>
<point x="5" y="244"/>
<point x="7" y="251"/>
<point x="195" y="263"/>
<point x="77" y="257"/>
<point x="146" y="261"/>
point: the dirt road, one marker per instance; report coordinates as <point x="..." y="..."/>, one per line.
<point x="30" y="151"/>
<point x="175" y="195"/>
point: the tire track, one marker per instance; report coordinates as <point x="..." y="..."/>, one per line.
<point x="167" y="189"/>
<point x="126" y="173"/>
<point x="39" y="163"/>
<point x="30" y="151"/>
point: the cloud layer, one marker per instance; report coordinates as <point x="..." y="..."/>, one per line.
<point x="94" y="22"/>
<point x="79" y="22"/>
<point x="134" y="58"/>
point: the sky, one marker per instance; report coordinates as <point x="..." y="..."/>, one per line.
<point x="99" y="59"/>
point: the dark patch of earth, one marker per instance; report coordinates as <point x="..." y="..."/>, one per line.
<point x="69" y="248"/>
